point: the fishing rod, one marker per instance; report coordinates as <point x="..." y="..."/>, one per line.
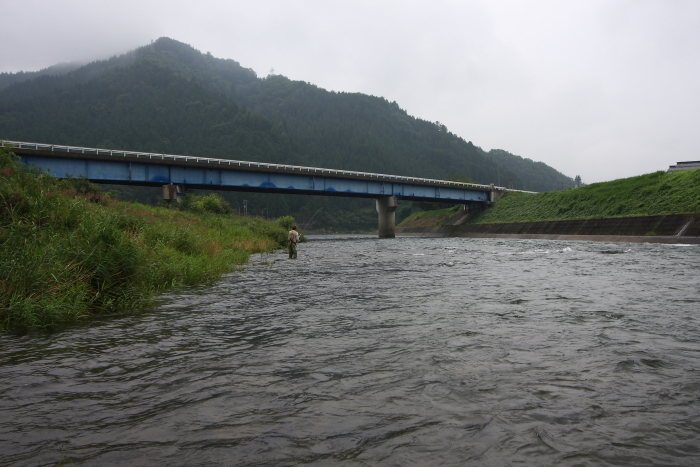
<point x="312" y="218"/>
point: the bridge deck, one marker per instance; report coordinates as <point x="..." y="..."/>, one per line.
<point x="138" y="168"/>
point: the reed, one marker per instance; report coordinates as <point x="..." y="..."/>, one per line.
<point x="69" y="251"/>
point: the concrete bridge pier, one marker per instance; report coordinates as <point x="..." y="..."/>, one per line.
<point x="171" y="192"/>
<point x="496" y="193"/>
<point x="386" y="208"/>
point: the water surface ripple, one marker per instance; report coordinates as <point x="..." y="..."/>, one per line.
<point x="364" y="352"/>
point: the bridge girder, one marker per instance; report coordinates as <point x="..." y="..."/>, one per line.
<point x="104" y="166"/>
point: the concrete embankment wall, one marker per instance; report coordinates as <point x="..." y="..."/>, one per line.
<point x="677" y="228"/>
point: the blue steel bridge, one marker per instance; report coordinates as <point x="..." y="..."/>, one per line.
<point x="178" y="173"/>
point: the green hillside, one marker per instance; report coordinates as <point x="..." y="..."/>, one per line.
<point x="658" y="193"/>
<point x="360" y="132"/>
<point x="646" y="195"/>
<point x="540" y="177"/>
<point x="7" y="79"/>
<point x="145" y="106"/>
<point x="169" y="97"/>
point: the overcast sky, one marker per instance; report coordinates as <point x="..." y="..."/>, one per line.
<point x="601" y="89"/>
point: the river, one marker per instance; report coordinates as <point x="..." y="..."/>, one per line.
<point x="364" y="352"/>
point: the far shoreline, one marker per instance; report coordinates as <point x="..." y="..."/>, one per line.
<point x="672" y="240"/>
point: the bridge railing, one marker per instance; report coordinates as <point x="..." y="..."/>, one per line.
<point x="231" y="162"/>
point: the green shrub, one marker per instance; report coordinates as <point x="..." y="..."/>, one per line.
<point x="212" y="202"/>
<point x="286" y="222"/>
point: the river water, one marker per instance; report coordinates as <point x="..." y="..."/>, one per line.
<point x="412" y="351"/>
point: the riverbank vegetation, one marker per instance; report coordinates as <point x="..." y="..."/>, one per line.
<point x="652" y="194"/>
<point x="69" y="251"/>
<point x="437" y="214"/>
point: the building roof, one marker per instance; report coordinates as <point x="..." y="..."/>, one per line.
<point x="688" y="165"/>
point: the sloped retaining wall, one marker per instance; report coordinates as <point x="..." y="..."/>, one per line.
<point x="678" y="226"/>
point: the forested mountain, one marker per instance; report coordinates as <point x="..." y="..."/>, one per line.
<point x="55" y="70"/>
<point x="360" y="132"/>
<point x="144" y="107"/>
<point x="169" y="97"/>
<point x="539" y="176"/>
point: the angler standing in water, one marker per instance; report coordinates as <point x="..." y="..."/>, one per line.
<point x="293" y="239"/>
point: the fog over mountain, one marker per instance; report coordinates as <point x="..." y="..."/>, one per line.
<point x="604" y="89"/>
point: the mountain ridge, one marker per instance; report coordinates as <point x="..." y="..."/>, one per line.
<point x="169" y="97"/>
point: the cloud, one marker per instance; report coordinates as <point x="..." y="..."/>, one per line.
<point x="604" y="89"/>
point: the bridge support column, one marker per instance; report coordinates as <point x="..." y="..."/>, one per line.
<point x="172" y="192"/>
<point x="496" y="193"/>
<point x="386" y="208"/>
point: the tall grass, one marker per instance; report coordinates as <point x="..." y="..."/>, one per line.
<point x="652" y="194"/>
<point x="68" y="251"/>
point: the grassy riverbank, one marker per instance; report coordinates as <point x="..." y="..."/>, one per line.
<point x="652" y="194"/>
<point x="69" y="251"/>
